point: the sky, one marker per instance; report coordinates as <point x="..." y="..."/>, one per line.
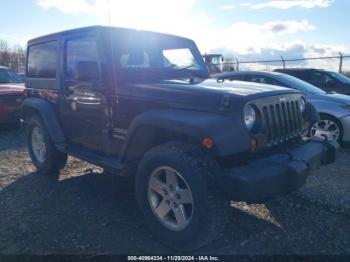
<point x="247" y="30"/>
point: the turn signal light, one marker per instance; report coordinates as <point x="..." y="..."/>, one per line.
<point x="208" y="143"/>
<point x="254" y="144"/>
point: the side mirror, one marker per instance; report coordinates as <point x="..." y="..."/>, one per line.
<point x="87" y="71"/>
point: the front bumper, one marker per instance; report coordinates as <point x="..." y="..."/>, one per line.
<point x="278" y="174"/>
<point x="345" y="121"/>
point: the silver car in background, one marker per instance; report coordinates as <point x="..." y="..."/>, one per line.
<point x="334" y="109"/>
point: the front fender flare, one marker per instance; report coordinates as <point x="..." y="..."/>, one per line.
<point x="229" y="134"/>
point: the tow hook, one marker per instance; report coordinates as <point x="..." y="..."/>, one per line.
<point x="331" y="151"/>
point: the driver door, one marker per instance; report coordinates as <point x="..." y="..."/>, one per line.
<point x="83" y="109"/>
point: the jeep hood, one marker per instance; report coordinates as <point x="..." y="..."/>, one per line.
<point x="204" y="92"/>
<point x="242" y="89"/>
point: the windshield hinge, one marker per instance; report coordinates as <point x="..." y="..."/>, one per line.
<point x="225" y="103"/>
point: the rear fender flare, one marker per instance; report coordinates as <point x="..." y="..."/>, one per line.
<point x="46" y="111"/>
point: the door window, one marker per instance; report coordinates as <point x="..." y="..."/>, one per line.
<point x="42" y="61"/>
<point x="320" y="79"/>
<point x="80" y="50"/>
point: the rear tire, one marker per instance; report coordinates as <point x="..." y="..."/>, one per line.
<point x="203" y="212"/>
<point x="46" y="158"/>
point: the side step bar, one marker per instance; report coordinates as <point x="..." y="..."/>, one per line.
<point x="108" y="162"/>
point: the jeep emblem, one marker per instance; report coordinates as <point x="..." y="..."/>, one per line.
<point x="282" y="99"/>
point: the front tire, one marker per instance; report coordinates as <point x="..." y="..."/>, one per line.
<point x="45" y="157"/>
<point x="172" y="190"/>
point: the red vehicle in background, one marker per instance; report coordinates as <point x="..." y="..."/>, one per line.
<point x="11" y="95"/>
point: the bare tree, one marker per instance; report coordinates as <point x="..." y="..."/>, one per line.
<point x="17" y="57"/>
<point x="12" y="57"/>
<point x="4" y="53"/>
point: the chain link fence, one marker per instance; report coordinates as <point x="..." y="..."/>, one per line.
<point x="340" y="63"/>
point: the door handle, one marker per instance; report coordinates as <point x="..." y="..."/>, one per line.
<point x="88" y="101"/>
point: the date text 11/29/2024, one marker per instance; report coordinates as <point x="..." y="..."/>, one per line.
<point x="173" y="258"/>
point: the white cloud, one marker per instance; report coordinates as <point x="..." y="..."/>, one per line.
<point x="288" y="27"/>
<point x="243" y="36"/>
<point x="287" y="4"/>
<point x="247" y="41"/>
<point x="68" y="6"/>
<point x="293" y="50"/>
<point x="251" y="42"/>
<point x="157" y="15"/>
<point x="169" y="16"/>
<point x="227" y="7"/>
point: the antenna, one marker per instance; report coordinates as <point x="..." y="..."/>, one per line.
<point x="109" y="12"/>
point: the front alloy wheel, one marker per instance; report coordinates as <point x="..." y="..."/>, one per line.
<point x="176" y="198"/>
<point x="170" y="198"/>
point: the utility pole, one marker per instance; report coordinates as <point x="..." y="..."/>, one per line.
<point x="237" y="63"/>
<point x="284" y="62"/>
<point x="340" y="62"/>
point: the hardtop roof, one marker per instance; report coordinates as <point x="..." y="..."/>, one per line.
<point x="49" y="37"/>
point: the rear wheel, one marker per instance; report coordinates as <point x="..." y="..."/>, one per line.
<point x="172" y="190"/>
<point x="46" y="158"/>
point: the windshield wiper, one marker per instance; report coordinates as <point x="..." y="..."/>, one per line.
<point x="193" y="73"/>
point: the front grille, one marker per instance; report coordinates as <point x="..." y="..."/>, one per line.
<point x="281" y="118"/>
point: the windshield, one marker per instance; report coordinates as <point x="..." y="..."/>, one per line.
<point x="302" y="85"/>
<point x="8" y="76"/>
<point x="340" y="77"/>
<point x="216" y="60"/>
<point x="146" y="56"/>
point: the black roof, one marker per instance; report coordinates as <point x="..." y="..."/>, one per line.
<point x="92" y="29"/>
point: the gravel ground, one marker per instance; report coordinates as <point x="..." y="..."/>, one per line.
<point x="87" y="212"/>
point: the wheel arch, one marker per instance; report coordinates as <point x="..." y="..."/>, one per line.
<point x="156" y="127"/>
<point x="338" y="122"/>
<point x="46" y="112"/>
<point x="145" y="137"/>
<point x="322" y="114"/>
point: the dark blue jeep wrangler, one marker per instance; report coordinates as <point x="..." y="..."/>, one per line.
<point x="133" y="100"/>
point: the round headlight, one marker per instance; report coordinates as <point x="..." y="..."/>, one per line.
<point x="249" y="116"/>
<point x="302" y="105"/>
